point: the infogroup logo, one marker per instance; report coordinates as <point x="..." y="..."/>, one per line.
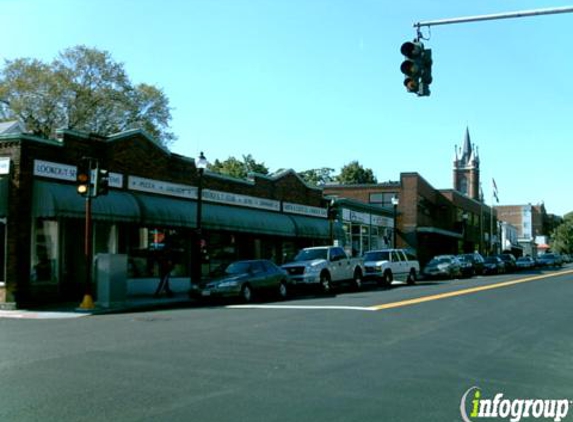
<point x="512" y="409"/>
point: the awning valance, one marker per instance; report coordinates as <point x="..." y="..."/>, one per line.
<point x="442" y="232"/>
<point x="166" y="211"/>
<point x="222" y="217"/>
<point x="312" y="227"/>
<point x="56" y="200"/>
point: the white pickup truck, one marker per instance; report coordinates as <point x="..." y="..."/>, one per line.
<point x="387" y="265"/>
<point x="325" y="266"/>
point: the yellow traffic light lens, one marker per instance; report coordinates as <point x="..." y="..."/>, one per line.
<point x="82" y="189"/>
<point x="82" y="177"/>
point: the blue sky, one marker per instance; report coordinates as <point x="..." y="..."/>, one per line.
<point x="316" y="83"/>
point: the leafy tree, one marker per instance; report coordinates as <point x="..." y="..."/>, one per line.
<point x="237" y="168"/>
<point x="317" y="177"/>
<point x="82" y="89"/>
<point x="354" y="174"/>
<point x="562" y="236"/>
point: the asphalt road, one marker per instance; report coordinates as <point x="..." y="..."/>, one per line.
<point x="375" y="355"/>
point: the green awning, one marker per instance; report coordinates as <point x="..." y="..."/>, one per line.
<point x="56" y="200"/>
<point x="248" y="220"/>
<point x="312" y="227"/>
<point x="4" y="196"/>
<point x="166" y="211"/>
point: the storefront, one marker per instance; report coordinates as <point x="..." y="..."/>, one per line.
<point x="151" y="207"/>
<point x="365" y="227"/>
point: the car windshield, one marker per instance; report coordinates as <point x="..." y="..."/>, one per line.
<point x="440" y="260"/>
<point x="311" y="254"/>
<point x="238" y="268"/>
<point x="377" y="256"/>
<point x="491" y="260"/>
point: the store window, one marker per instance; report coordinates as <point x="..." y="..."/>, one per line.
<point x="144" y="245"/>
<point x="45" y="252"/>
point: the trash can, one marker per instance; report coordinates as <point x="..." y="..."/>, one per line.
<point x="111" y="278"/>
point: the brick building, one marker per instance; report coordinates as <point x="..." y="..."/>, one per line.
<point x="151" y="204"/>
<point x="428" y="220"/>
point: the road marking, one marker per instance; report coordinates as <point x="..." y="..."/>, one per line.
<point x="312" y="307"/>
<point x="463" y="292"/>
<point x="402" y="303"/>
<point x="21" y="314"/>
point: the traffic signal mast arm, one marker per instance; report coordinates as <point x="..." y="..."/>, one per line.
<point x="497" y="16"/>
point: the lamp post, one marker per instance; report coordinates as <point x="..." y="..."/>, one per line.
<point x="201" y="165"/>
<point x="395" y="202"/>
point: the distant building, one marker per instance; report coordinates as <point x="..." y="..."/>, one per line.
<point x="466" y="169"/>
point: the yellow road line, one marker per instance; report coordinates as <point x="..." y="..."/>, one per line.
<point x="464" y="291"/>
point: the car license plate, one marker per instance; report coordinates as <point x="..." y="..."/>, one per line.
<point x="206" y="293"/>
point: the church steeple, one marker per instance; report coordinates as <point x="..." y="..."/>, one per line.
<point x="466" y="168"/>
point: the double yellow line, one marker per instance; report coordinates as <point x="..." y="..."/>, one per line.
<point x="464" y="291"/>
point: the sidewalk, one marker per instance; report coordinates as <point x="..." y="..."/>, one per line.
<point x="132" y="304"/>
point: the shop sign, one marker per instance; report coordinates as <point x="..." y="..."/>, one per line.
<point x="241" y="200"/>
<point x="5" y="165"/>
<point x="162" y="188"/>
<point x="304" y="210"/>
<point x="54" y="170"/>
<point x="365" y="218"/>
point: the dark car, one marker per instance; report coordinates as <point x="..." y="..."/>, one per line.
<point x="549" y="260"/>
<point x="242" y="279"/>
<point x="443" y="266"/>
<point x="525" y="263"/>
<point x="509" y="261"/>
<point x="476" y="259"/>
<point x="493" y="265"/>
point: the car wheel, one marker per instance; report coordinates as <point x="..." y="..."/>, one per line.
<point x="247" y="294"/>
<point x="388" y="278"/>
<point x="283" y="290"/>
<point x="411" y="277"/>
<point x="325" y="283"/>
<point x="357" y="280"/>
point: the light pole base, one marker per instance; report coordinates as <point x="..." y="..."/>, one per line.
<point x="87" y="304"/>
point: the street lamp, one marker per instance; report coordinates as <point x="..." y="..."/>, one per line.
<point x="200" y="165"/>
<point x="395" y="202"/>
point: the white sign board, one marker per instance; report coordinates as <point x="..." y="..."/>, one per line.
<point x="162" y="188"/>
<point x="304" y="210"/>
<point x="4" y="165"/>
<point x="241" y="200"/>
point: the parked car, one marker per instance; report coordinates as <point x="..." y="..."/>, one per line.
<point x="325" y="267"/>
<point x="493" y="265"/>
<point x="386" y="265"/>
<point x="443" y="266"/>
<point x="525" y="263"/>
<point x="476" y="259"/>
<point x="549" y="260"/>
<point x="242" y="279"/>
<point x="509" y="261"/>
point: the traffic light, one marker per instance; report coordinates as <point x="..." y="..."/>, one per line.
<point x="83" y="176"/>
<point x="102" y="182"/>
<point x="417" y="66"/>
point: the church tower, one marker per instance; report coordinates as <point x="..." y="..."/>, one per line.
<point x="466" y="169"/>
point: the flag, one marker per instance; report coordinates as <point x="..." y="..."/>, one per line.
<point x="495" y="190"/>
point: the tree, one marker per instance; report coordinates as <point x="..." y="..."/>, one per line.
<point x="82" y="89"/>
<point x="562" y="236"/>
<point x="354" y="174"/>
<point x="317" y="177"/>
<point x="239" y="169"/>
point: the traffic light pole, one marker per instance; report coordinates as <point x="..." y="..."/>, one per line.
<point x="87" y="302"/>
<point x="508" y="15"/>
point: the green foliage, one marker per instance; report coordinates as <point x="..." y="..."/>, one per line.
<point x="562" y="236"/>
<point x="354" y="174"/>
<point x="82" y="89"/>
<point x="317" y="177"/>
<point x="239" y="169"/>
